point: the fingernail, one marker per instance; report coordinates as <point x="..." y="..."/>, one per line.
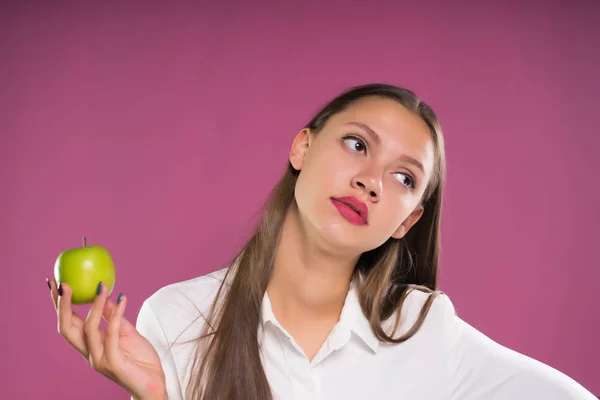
<point x="60" y="290"/>
<point x="48" y="282"/>
<point x="99" y="290"/>
<point x="120" y="298"/>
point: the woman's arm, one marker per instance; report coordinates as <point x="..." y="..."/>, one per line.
<point x="480" y="368"/>
<point x="148" y="325"/>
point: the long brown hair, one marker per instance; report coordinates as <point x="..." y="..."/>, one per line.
<point x="227" y="363"/>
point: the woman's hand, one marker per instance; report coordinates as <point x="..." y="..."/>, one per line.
<point x="120" y="353"/>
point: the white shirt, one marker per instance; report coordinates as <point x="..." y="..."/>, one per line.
<point x="446" y="359"/>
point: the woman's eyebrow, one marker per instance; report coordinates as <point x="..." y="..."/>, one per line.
<point x="375" y="137"/>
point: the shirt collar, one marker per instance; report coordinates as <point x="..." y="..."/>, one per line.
<point x="267" y="311"/>
<point x="351" y="318"/>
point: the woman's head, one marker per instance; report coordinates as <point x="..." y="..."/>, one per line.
<point x="376" y="143"/>
<point x="379" y="144"/>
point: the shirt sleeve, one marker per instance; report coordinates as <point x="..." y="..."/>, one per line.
<point x="149" y="326"/>
<point x="480" y="368"/>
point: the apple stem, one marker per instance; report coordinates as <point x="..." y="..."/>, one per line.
<point x="84" y="241"/>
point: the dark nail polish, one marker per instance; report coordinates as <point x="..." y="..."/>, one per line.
<point x="120" y="298"/>
<point x="60" y="290"/>
<point x="48" y="282"/>
<point x="99" y="290"/>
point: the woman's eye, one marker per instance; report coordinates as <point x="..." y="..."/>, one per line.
<point x="406" y="180"/>
<point x="355" y="144"/>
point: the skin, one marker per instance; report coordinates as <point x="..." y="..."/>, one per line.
<point x="119" y="353"/>
<point x="319" y="248"/>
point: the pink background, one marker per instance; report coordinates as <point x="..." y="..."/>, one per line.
<point x="157" y="131"/>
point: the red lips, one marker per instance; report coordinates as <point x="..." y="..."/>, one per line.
<point x="357" y="205"/>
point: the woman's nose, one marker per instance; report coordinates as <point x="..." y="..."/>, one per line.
<point x="370" y="185"/>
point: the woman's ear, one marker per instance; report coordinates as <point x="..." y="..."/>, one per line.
<point x="299" y="148"/>
<point x="408" y="223"/>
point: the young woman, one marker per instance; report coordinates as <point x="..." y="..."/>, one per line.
<point x="333" y="297"/>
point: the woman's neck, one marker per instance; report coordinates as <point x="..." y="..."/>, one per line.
<point x="309" y="281"/>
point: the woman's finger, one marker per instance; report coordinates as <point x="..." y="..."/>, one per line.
<point x="109" y="306"/>
<point x="94" y="338"/>
<point x="70" y="325"/>
<point x="113" y="331"/>
<point x="75" y="319"/>
<point x="53" y="293"/>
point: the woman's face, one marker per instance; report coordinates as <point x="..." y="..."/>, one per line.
<point x="376" y="153"/>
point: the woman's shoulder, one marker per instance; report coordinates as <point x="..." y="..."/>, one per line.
<point x="440" y="313"/>
<point x="440" y="305"/>
<point x="176" y="307"/>
<point x="197" y="290"/>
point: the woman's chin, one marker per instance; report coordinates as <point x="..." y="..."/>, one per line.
<point x="342" y="235"/>
<point x="335" y="232"/>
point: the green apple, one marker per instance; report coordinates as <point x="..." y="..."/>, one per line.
<point x="82" y="269"/>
